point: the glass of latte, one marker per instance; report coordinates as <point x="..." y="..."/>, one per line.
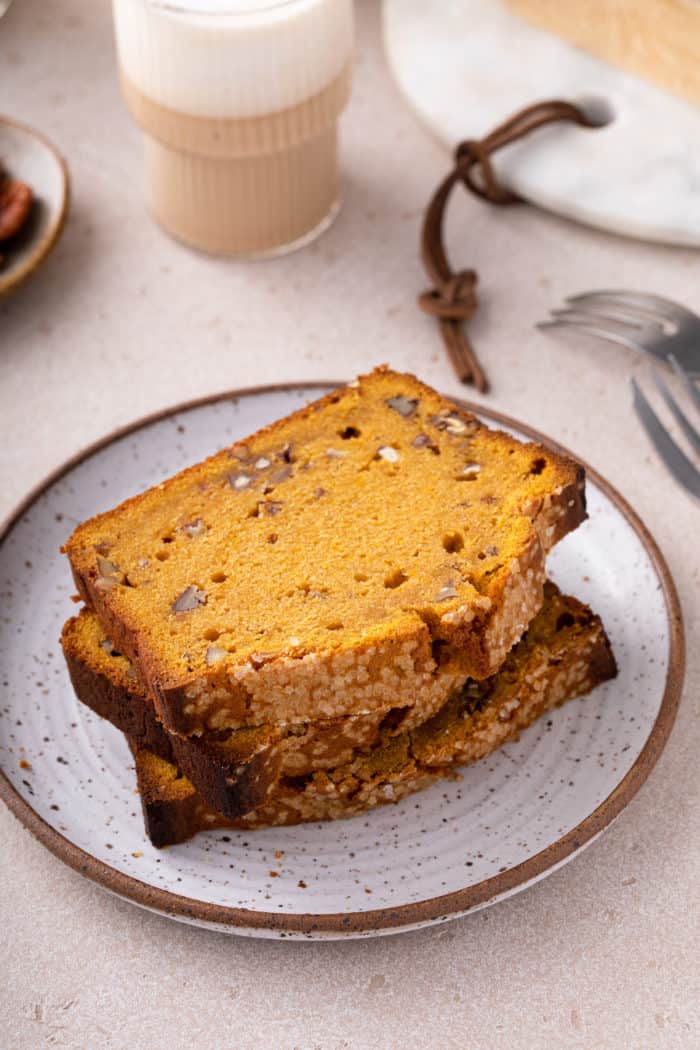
<point x="239" y="103"/>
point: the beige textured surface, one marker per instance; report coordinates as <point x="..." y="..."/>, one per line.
<point x="121" y="322"/>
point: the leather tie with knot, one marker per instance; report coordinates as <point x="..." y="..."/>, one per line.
<point x="454" y="300"/>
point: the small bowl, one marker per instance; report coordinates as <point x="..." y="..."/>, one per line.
<point x="26" y="155"/>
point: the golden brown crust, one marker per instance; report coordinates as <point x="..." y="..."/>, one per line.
<point x="461" y="595"/>
<point x="230" y="783"/>
<point x="128" y="711"/>
<point x="567" y="656"/>
<point x="235" y="770"/>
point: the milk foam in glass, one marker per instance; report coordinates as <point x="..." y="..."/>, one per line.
<point x="239" y="103"/>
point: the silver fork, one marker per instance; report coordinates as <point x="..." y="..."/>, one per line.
<point x="666" y="331"/>
<point x="637" y="320"/>
<point x="675" y="459"/>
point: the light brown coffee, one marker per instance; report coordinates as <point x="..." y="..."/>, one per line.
<point x="250" y="186"/>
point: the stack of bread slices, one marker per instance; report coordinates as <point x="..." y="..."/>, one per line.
<point x="331" y="614"/>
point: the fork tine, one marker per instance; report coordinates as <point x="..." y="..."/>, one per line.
<point x="654" y="304"/>
<point x="690" y="387"/>
<point x="651" y="329"/>
<point x="589" y="328"/>
<point x="675" y="459"/>
<point x="580" y="313"/>
<point x="683" y="421"/>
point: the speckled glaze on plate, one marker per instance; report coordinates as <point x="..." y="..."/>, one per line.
<point x="457" y="847"/>
<point x="27" y="155"/>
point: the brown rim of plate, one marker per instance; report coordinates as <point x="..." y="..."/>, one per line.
<point x="43" y="248"/>
<point x="447" y="905"/>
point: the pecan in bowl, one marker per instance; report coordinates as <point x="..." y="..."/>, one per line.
<point x="16" y="200"/>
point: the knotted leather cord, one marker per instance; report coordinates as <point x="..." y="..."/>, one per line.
<point x="452" y="299"/>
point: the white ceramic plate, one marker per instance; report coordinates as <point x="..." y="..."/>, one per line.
<point x="442" y="853"/>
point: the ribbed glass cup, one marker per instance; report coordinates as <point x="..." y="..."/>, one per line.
<point x="239" y="103"/>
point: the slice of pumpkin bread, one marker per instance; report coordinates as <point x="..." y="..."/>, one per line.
<point x="234" y="770"/>
<point x="564" y="654"/>
<point x="374" y="548"/>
